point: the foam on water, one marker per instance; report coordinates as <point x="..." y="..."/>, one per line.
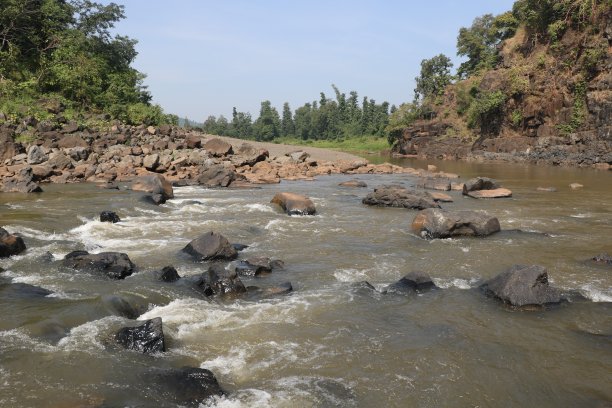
<point x="246" y="398"/>
<point x="596" y="294"/>
<point x="89" y="336"/>
<point x="458" y="283"/>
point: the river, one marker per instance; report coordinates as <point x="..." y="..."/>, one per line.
<point x="332" y="342"/>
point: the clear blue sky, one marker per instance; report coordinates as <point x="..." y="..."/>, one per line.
<point x="204" y="57"/>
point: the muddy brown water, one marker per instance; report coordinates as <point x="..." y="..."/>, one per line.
<point x="332" y="342"/>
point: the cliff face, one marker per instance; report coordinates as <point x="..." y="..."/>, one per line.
<point x="549" y="102"/>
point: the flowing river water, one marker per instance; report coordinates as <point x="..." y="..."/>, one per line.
<point x="332" y="342"/>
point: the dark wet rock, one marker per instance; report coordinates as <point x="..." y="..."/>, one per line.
<point x="353" y="183"/>
<point x="186" y="386"/>
<point x="210" y="247"/>
<point x="436" y="223"/>
<point x="217" y="175"/>
<point x="146" y="338"/>
<point x="155" y="184"/>
<point x="603" y="258"/>
<point x="294" y="204"/>
<point x="523" y="285"/>
<point x="256" y="293"/>
<point x="22" y="291"/>
<point x="401" y="197"/>
<point x="46" y="258"/>
<point x="240" y="247"/>
<point x="480" y="183"/>
<point x="10" y="244"/>
<point x="109" y="216"/>
<point x="115" y="265"/>
<point x="193" y="202"/>
<point x="22" y="182"/>
<point x="412" y="282"/>
<point x="219" y="281"/>
<point x="218" y="147"/>
<point x="167" y="274"/>
<point x="258" y="265"/>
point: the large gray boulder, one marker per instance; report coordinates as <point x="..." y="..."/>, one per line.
<point x="247" y="155"/>
<point x="436" y="223"/>
<point x="401" y="197"/>
<point x="218" y="147"/>
<point x="22" y="182"/>
<point x="217" y="175"/>
<point x="10" y="244"/>
<point x="480" y="183"/>
<point x="115" y="265"/>
<point x="146" y="338"/>
<point x="155" y="184"/>
<point x="37" y="155"/>
<point x="211" y="247"/>
<point x="294" y="204"/>
<point x="523" y="285"/>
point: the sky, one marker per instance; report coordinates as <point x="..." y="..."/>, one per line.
<point x="204" y="57"/>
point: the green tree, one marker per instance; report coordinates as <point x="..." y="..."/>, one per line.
<point x="242" y="125"/>
<point x="287" y="124"/>
<point x="303" y="121"/>
<point x="434" y="77"/>
<point x="267" y="125"/>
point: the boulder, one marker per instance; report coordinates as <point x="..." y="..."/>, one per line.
<point x="480" y="183"/>
<point x="10" y="244"/>
<point x="248" y="155"/>
<point x="495" y="193"/>
<point x="298" y="156"/>
<point x="294" y="204"/>
<point x="36" y="155"/>
<point x="109" y="216"/>
<point x="436" y="223"/>
<point x="156" y="184"/>
<point x="115" y="265"/>
<point x="413" y="282"/>
<point x="434" y="184"/>
<point x="22" y="182"/>
<point x="522" y="285"/>
<point x="219" y="281"/>
<point x="146" y="338"/>
<point x="353" y="183"/>
<point x="167" y="274"/>
<point x="257" y="293"/>
<point x="258" y="265"/>
<point x="218" y="147"/>
<point x="186" y="386"/>
<point x="151" y="161"/>
<point x="441" y="197"/>
<point x="401" y="197"/>
<point x="217" y="175"/>
<point x="239" y="247"/>
<point x="211" y="247"/>
<point x="70" y="127"/>
<point x="8" y="147"/>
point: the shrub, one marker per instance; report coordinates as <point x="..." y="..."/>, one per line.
<point x="486" y="107"/>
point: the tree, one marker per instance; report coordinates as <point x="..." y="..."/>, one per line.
<point x="287" y="124"/>
<point x="479" y="43"/>
<point x="242" y="125"/>
<point x="267" y="125"/>
<point x="303" y="120"/>
<point x="434" y="77"/>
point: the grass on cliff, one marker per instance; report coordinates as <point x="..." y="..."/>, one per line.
<point x="362" y="144"/>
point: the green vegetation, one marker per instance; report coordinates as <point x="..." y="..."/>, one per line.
<point x="485" y="108"/>
<point x="360" y="144"/>
<point x="434" y="77"/>
<point x="327" y="119"/>
<point x="64" y="51"/>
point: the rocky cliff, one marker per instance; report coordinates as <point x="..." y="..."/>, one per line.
<point x="550" y="102"/>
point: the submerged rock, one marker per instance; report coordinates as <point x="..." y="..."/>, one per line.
<point x="412" y="282"/>
<point x="294" y="204"/>
<point x="167" y="274"/>
<point x="210" y="247"/>
<point x="115" y="265"/>
<point x="22" y="290"/>
<point x="186" y="386"/>
<point x="109" y="216"/>
<point x="435" y="184"/>
<point x="353" y="183"/>
<point x="219" y="281"/>
<point x="257" y="266"/>
<point x="494" y="193"/>
<point x="240" y="247"/>
<point x="603" y="258"/>
<point x="522" y="285"/>
<point x="436" y="223"/>
<point x="10" y="244"/>
<point x="256" y="293"/>
<point x="146" y="338"/>
<point x="398" y="196"/>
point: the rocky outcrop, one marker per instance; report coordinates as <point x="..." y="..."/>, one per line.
<point x="146" y="338"/>
<point x="109" y="216"/>
<point x="217" y="175"/>
<point x="523" y="285"/>
<point x="167" y="274"/>
<point x="22" y="182"/>
<point x="294" y="204"/>
<point x="220" y="282"/>
<point x="412" y="282"/>
<point x="114" y="265"/>
<point x="401" y="197"/>
<point x="10" y="244"/>
<point x="211" y="247"/>
<point x="437" y="223"/>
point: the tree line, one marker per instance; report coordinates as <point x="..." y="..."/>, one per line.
<point x="344" y="116"/>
